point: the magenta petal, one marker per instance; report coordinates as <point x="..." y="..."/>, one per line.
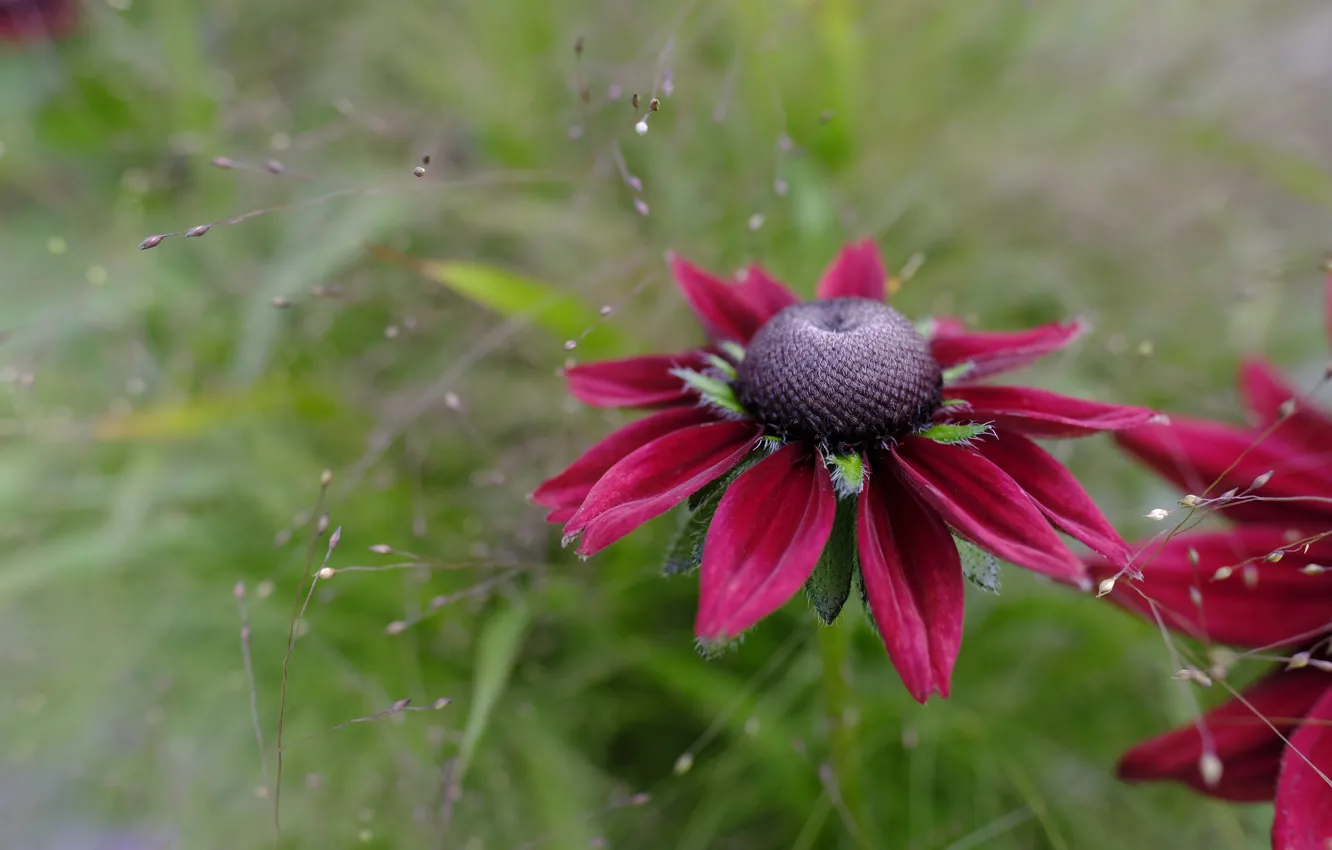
<point x="994" y="352"/>
<point x="1265" y="392"/>
<point x="986" y="506"/>
<point x="1197" y="454"/>
<point x="1275" y="603"/>
<point x="1303" y="798"/>
<point x="913" y="581"/>
<point x="1056" y="492"/>
<point x="570" y="487"/>
<point x="1249" y="751"/>
<point x="725" y="311"/>
<point x="765" y="539"/>
<point x="1040" y="413"/>
<point x="857" y="272"/>
<point x="635" y="382"/>
<point x="765" y="293"/>
<point x="657" y="477"/>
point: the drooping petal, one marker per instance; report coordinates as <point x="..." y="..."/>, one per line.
<point x="725" y="311"/>
<point x="1253" y="602"/>
<point x="990" y="353"/>
<point x="856" y="272"/>
<point x="570" y="487"/>
<point x="986" y="506"/>
<point x="764" y="541"/>
<point x="767" y="294"/>
<point x="1250" y="752"/>
<point x="913" y="581"/>
<point x="634" y="382"/>
<point x="1056" y="492"/>
<point x="1303" y="797"/>
<point x="1040" y="413"/>
<point x="1265" y="391"/>
<point x="1196" y="455"/>
<point x="657" y="477"/>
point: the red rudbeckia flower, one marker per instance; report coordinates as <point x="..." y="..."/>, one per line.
<point x="1263" y="585"/>
<point x="832" y="442"/>
<point x="35" y="20"/>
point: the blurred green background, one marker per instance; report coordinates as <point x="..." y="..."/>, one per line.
<point x="1161" y="168"/>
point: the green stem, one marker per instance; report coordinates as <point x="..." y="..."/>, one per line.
<point x="835" y="653"/>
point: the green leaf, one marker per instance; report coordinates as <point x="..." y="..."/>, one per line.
<point x="496" y="650"/>
<point x="516" y="296"/>
<point x="829" y="586"/>
<point x="954" y="433"/>
<point x="980" y="567"/>
<point x="713" y="390"/>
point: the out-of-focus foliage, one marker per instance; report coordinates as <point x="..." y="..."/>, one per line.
<point x="1158" y="167"/>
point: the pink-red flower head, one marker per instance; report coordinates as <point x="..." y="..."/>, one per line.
<point x="1265" y="585"/>
<point x="831" y="444"/>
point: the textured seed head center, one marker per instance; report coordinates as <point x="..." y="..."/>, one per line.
<point x="849" y="371"/>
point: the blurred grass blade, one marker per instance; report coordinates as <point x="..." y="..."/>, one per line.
<point x="176" y="421"/>
<point x="513" y="295"/>
<point x="496" y="649"/>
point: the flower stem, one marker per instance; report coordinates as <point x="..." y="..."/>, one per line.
<point x="834" y="651"/>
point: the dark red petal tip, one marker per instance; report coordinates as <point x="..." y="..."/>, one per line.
<point x="1275" y="401"/>
<point x="1057" y="493"/>
<point x="1198" y="455"/>
<point x="764" y="292"/>
<point x="764" y="541"/>
<point x="983" y="504"/>
<point x="1248" y="750"/>
<point x="1221" y="587"/>
<point x="633" y="382"/>
<point x="656" y="478"/>
<point x="570" y="487"/>
<point x="725" y="311"/>
<point x="1040" y="413"/>
<point x="912" y="578"/>
<point x="992" y="352"/>
<point x="856" y="272"/>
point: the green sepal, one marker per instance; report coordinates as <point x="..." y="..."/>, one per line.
<point x="864" y="602"/>
<point x="829" y="586"/>
<point x="714" y="391"/>
<point x="721" y="364"/>
<point x="848" y="474"/>
<point x="978" y="566"/>
<point x="685" y="553"/>
<point x="927" y="327"/>
<point x="733" y="350"/>
<point x="710" y="649"/>
<point x="955" y="373"/>
<point x="955" y="433"/>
